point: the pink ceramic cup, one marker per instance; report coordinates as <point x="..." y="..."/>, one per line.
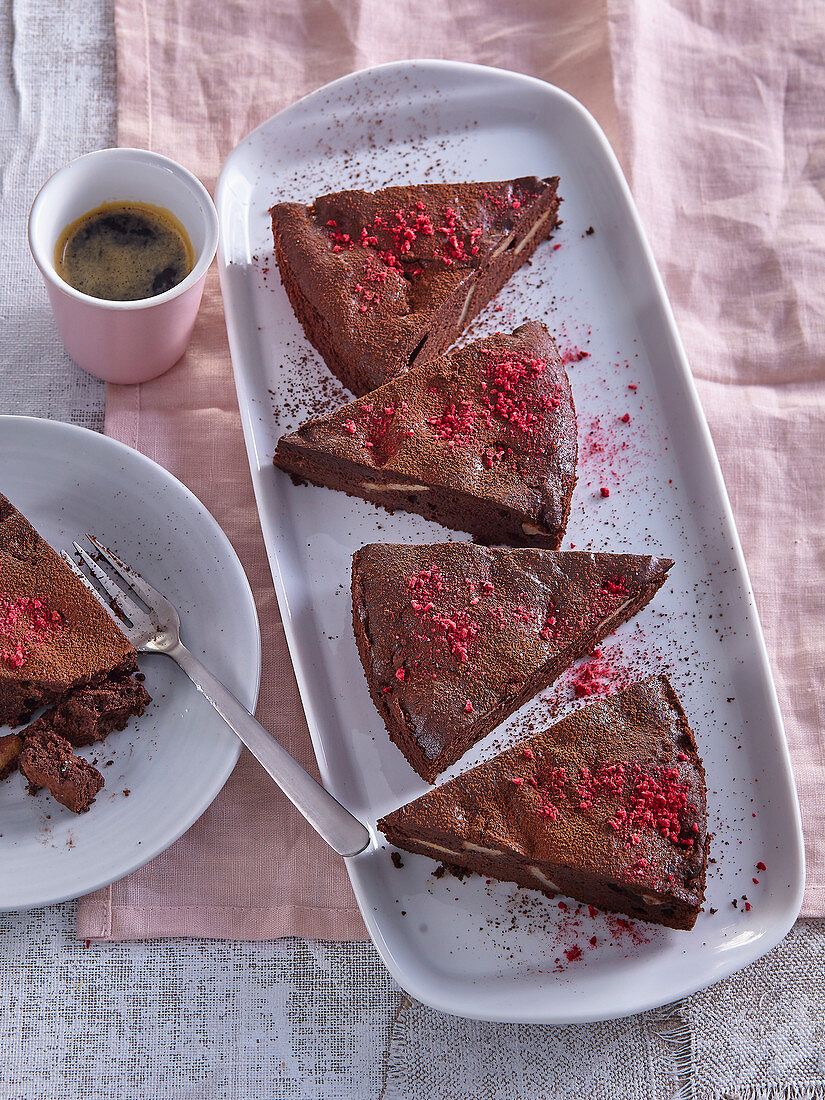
<point x="124" y="341"/>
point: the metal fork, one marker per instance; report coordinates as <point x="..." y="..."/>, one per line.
<point x="158" y="631"/>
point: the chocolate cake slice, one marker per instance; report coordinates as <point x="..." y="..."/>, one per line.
<point x="454" y="637"/>
<point x="92" y="713"/>
<point x="54" y="636"/>
<point x="43" y="751"/>
<point x="384" y="279"/>
<point x="48" y="761"/>
<point x="608" y="807"/>
<point x="482" y="440"/>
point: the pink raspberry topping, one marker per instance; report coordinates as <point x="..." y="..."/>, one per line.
<point x="26" y="623"/>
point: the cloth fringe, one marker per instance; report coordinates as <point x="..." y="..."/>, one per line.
<point x="670" y="1025"/>
<point x="777" y="1092"/>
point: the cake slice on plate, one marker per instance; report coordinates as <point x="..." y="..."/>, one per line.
<point x="83" y="717"/>
<point x="86" y="716"/>
<point x="48" y="761"/>
<point x="608" y="807"/>
<point x="384" y="279"/>
<point x="454" y="637"/>
<point x="90" y="714"/>
<point x="54" y="636"/>
<point x="482" y="440"/>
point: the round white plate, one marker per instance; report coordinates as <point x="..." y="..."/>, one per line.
<point x="174" y="760"/>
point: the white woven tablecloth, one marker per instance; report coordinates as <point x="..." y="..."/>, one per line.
<point x="180" y="1019"/>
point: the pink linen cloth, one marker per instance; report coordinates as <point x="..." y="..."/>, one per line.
<point x="716" y="121"/>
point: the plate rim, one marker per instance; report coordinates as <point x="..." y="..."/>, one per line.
<point x="237" y="345"/>
<point x="221" y="776"/>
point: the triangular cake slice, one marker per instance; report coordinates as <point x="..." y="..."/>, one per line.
<point x="482" y="440"/>
<point x="608" y="807"/>
<point x="54" y="636"/>
<point x="455" y="637"/>
<point x="382" y="279"/>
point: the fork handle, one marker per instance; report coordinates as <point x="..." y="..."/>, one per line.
<point x="343" y="832"/>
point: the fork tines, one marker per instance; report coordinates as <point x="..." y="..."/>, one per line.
<point x="115" y="599"/>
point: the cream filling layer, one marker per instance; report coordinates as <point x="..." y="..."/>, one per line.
<point x="612" y="618"/>
<point x="467" y="845"/>
<point x="529" y="236"/>
<point x="391" y="486"/>
<point x="470" y="847"/>
<point x="467" y="301"/>
<point x="548" y="883"/>
<point x="505" y="244"/>
<point x="650" y="900"/>
<point x="436" y="847"/>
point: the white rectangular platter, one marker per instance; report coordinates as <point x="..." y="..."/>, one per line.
<point x="476" y="948"/>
